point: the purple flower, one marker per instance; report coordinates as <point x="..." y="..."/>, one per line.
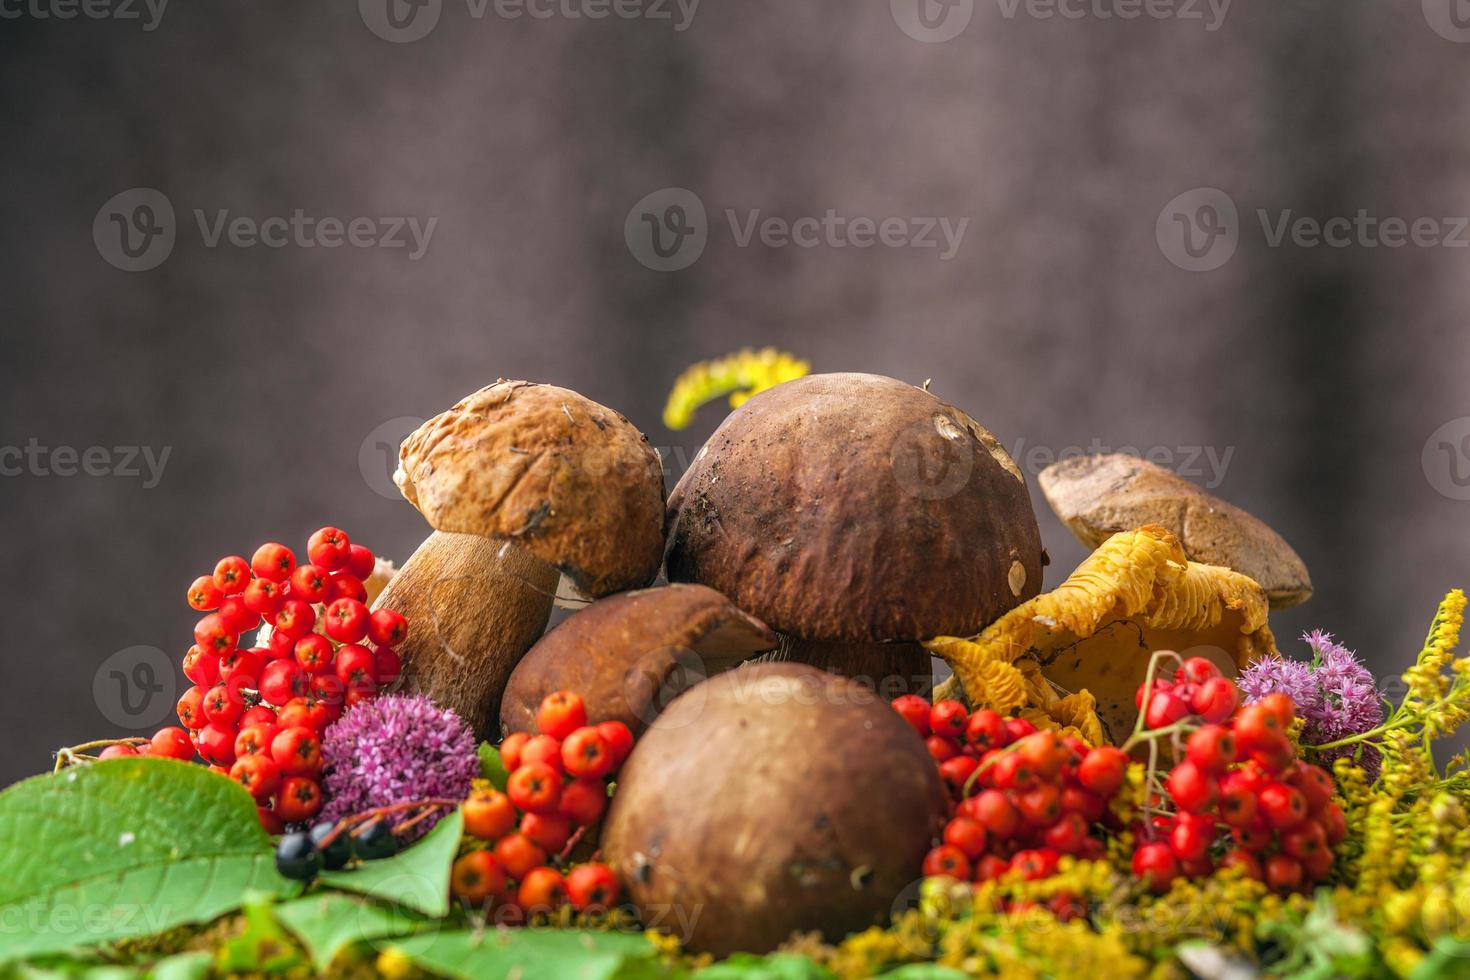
<point x="394" y="749"/>
<point x="1290" y="677"/>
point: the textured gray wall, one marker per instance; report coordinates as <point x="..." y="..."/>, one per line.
<point x="1060" y="320"/>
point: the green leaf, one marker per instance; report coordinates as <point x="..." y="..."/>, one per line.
<point x="492" y="767"/>
<point x="534" y="954"/>
<point x="263" y="947"/>
<point x="924" y="971"/>
<point x="182" y="966"/>
<point x="417" y="877"/>
<point x="125" y="848"/>
<point x="328" y="922"/>
<point x="778" y="966"/>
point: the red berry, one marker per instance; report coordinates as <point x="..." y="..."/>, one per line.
<point x="1192" y="788"/>
<point x="1334" y="824"/>
<point x="1255" y="836"/>
<point x="273" y="562"/>
<point x="280" y="646"/>
<point x="1245" y="861"/>
<point x="1216" y="700"/>
<point x="119" y="751"/>
<point x="328" y="690"/>
<point x="242" y="666"/>
<point x="303" y="712"/>
<point x="1304" y="840"/>
<point x="488" y="814"/>
<point x="314" y="653"/>
<point x="915" y="710"/>
<point x="1280" y="705"/>
<point x="345" y="585"/>
<point x="550" y="831"/>
<point x="1283" y="806"/>
<point x="259" y="774"/>
<point x="295" y="618"/>
<point x="1212" y="748"/>
<point x="1040" y="805"/>
<point x="221" y="705"/>
<point x="347" y="620"/>
<point x="956" y="771"/>
<point x="1160" y="685"/>
<point x="204" y="595"/>
<point x="1089" y="805"/>
<point x="592" y="886"/>
<point x="545" y="750"/>
<point x="217" y="742"/>
<point x="510" y="750"/>
<point x="583" y="801"/>
<point x="355" y="665"/>
<point x="309" y="582"/>
<point x="518" y="855"/>
<point x="967" y="835"/>
<point x="387" y="628"/>
<point x="280" y="681"/>
<point x="994" y="811"/>
<point x="941" y="748"/>
<point x="535" y="787"/>
<point x="1197" y="670"/>
<point x="986" y="729"/>
<point x="263" y="597"/>
<point x="990" y="867"/>
<point x="201" y="667"/>
<point x="190" y="708"/>
<point x="258" y="715"/>
<point x="1192" y="836"/>
<point x="1037" y="864"/>
<point x="1283" y="873"/>
<point x="231" y="575"/>
<point x="1274" y="755"/>
<point x="171" y="743"/>
<point x="477" y="878"/>
<point x="542" y="890"/>
<point x="1164" y="709"/>
<point x="584" y="753"/>
<point x="1012" y="771"/>
<point x="297" y="750"/>
<point x="1103" y="769"/>
<point x="387" y="667"/>
<point x="299" y="798"/>
<point x="1067" y="835"/>
<point x="619" y="740"/>
<point x="360" y="562"/>
<point x="255" y="740"/>
<point x="1044" y="752"/>
<point x="213" y="636"/>
<point x="1017" y="729"/>
<point x="560" y="714"/>
<point x="947" y="860"/>
<point x="948" y="718"/>
<point x="1237" y="804"/>
<point x="1154" y="863"/>
<point x="330" y="548"/>
<point x="1314" y="784"/>
<point x="1256" y="726"/>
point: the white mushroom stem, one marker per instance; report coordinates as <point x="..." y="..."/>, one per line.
<point x="474" y="606"/>
<point x="890" y="669"/>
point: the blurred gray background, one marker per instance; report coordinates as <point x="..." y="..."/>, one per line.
<point x="1327" y="380"/>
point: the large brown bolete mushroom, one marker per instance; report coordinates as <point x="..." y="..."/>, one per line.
<point x="628" y="655"/>
<point x="857" y="515"/>
<point x="521" y="482"/>
<point x="785" y="800"/>
<point x="1098" y="496"/>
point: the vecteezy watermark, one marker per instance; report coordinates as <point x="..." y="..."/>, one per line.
<point x="1200" y="229"/>
<point x="147" y="13"/>
<point x="136" y="230"/>
<point x="377" y="456"/>
<point x="1446" y="459"/>
<point x="124" y="462"/>
<point x="135" y="688"/>
<point x="1206" y="464"/>
<point x="1450" y="19"/>
<point x="937" y="21"/>
<point x="669" y="229"/>
<point x="404" y="21"/>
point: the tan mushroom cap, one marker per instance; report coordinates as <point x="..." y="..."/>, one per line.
<point x="854" y="507"/>
<point x="569" y="480"/>
<point x="629" y="654"/>
<point x="1098" y="496"/>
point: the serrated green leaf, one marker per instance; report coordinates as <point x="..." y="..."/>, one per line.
<point x="534" y="954"/>
<point x="779" y="966"/>
<point x="328" y="922"/>
<point x="417" y="877"/>
<point x="492" y="767"/>
<point x="125" y="848"/>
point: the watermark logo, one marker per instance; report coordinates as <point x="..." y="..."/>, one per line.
<point x="400" y="21"/>
<point x="667" y="230"/>
<point x="135" y="688"/>
<point x="1450" y="19"/>
<point x="126" y="462"/>
<point x="377" y="456"/>
<point x="135" y="230"/>
<point x="1446" y="459"/>
<point x="148" y="13"/>
<point x="933" y="459"/>
<point x="665" y="677"/>
<point x="1199" y="230"/>
<point x="1206" y="465"/>
<point x="932" y="21"/>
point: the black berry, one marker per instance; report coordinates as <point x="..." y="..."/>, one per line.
<point x="336" y="854"/>
<point x="375" y="841"/>
<point x="297" y="857"/>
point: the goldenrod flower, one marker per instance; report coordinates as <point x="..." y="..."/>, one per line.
<point x="739" y="375"/>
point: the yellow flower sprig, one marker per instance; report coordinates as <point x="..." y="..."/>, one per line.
<point x="739" y="375"/>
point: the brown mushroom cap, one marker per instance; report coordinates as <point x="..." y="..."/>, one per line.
<point x="627" y="655"/>
<point x="572" y="482"/>
<point x="860" y="508"/>
<point x="783" y="799"/>
<point x="1098" y="496"/>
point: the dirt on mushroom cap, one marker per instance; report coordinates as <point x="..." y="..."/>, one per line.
<point x="569" y="480"/>
<point x="856" y="507"/>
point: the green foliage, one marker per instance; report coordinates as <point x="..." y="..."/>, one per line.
<point x="534" y="954"/>
<point x="417" y="877"/>
<point x="778" y="966"/>
<point x="122" y="849"/>
<point x="492" y="767"/>
<point x="329" y="922"/>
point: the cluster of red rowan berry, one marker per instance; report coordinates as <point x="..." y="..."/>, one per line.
<point x="1023" y="798"/>
<point x="1241" y="797"/>
<point x="555" y="792"/>
<point x="258" y="713"/>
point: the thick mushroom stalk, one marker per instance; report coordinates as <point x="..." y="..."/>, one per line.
<point x="476" y="606"/>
